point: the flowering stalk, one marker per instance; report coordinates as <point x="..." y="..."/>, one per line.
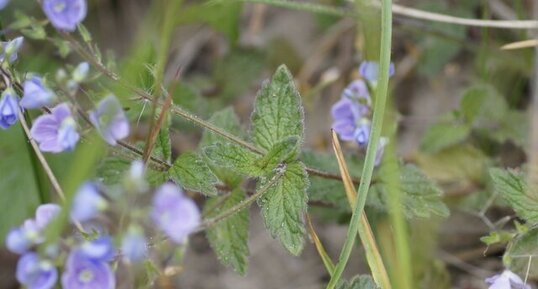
<point x="375" y="135"/>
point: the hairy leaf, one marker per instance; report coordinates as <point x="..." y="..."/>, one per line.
<point x="233" y="157"/>
<point x="229" y="238"/>
<point x="519" y="252"/>
<point x="192" y="173"/>
<point x="512" y="187"/>
<point x="284" y="204"/>
<point x="420" y="196"/>
<point x="278" y="112"/>
<point x="283" y="151"/>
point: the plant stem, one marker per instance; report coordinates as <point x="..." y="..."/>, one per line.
<point x="377" y="124"/>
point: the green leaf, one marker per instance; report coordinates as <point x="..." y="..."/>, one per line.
<point x="420" y="196"/>
<point x="517" y="255"/>
<point x="482" y="105"/>
<point x="227" y="120"/>
<point x="233" y="157"/>
<point x="229" y="238"/>
<point x="278" y="111"/>
<point x="442" y="135"/>
<point x="19" y="195"/>
<point x="359" y="282"/>
<point x="191" y="172"/>
<point x="284" y="204"/>
<point x="281" y="152"/>
<point x="497" y="237"/>
<point x="513" y="188"/>
<point x="111" y="170"/>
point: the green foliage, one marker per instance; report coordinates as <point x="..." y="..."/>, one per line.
<point x="496" y="237"/>
<point x="420" y="196"/>
<point x="512" y="187"/>
<point x="18" y="190"/>
<point x="282" y="152"/>
<point x="482" y="105"/>
<point x="284" y="205"/>
<point x="278" y="112"/>
<point x="225" y="119"/>
<point x="521" y="251"/>
<point x="443" y="135"/>
<point x="192" y="173"/>
<point x="358" y="282"/>
<point x="229" y="238"/>
<point x="234" y="157"/>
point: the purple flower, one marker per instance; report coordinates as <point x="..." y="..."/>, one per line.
<point x="56" y="132"/>
<point x="45" y="214"/>
<point x="134" y="245"/>
<point x="82" y="272"/>
<point x="87" y="203"/>
<point x="9" y="108"/>
<point x="10" y="49"/>
<point x="36" y="94"/>
<point x="350" y="121"/>
<point x="358" y="91"/>
<point x="110" y="120"/>
<point x="370" y="70"/>
<point x="65" y="14"/>
<point x="36" y="273"/>
<point x="100" y="249"/>
<point x="173" y="213"/>
<point x="362" y="132"/>
<point x="19" y="240"/>
<point x="506" y="280"/>
<point x="3" y="3"/>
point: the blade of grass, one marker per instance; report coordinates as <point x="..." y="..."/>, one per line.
<point x="329" y="265"/>
<point x="373" y="256"/>
<point x="377" y="125"/>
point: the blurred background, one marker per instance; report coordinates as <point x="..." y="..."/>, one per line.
<point x="226" y="49"/>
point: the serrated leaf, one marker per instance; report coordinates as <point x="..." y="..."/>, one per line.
<point x="284" y="204"/>
<point x="278" y="111"/>
<point x="111" y="169"/>
<point x="229" y="238"/>
<point x="192" y="173"/>
<point x="358" y="282"/>
<point x="512" y="187"/>
<point x="283" y="151"/>
<point x="233" y="157"/>
<point x="441" y="135"/>
<point x="517" y="255"/>
<point x="420" y="196"/>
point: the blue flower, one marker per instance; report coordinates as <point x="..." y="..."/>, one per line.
<point x="82" y="272"/>
<point x="65" y="14"/>
<point x="370" y="70"/>
<point x="88" y="203"/>
<point x="100" y="249"/>
<point x="3" y="4"/>
<point x="506" y="280"/>
<point x="362" y="132"/>
<point x="10" y="49"/>
<point x="351" y="120"/>
<point x="36" y="273"/>
<point x="17" y="241"/>
<point x="9" y="108"/>
<point x="173" y="213"/>
<point x="45" y="214"/>
<point x="358" y="90"/>
<point x="110" y="120"/>
<point x="56" y="132"/>
<point x="134" y="246"/>
<point x="36" y="94"/>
